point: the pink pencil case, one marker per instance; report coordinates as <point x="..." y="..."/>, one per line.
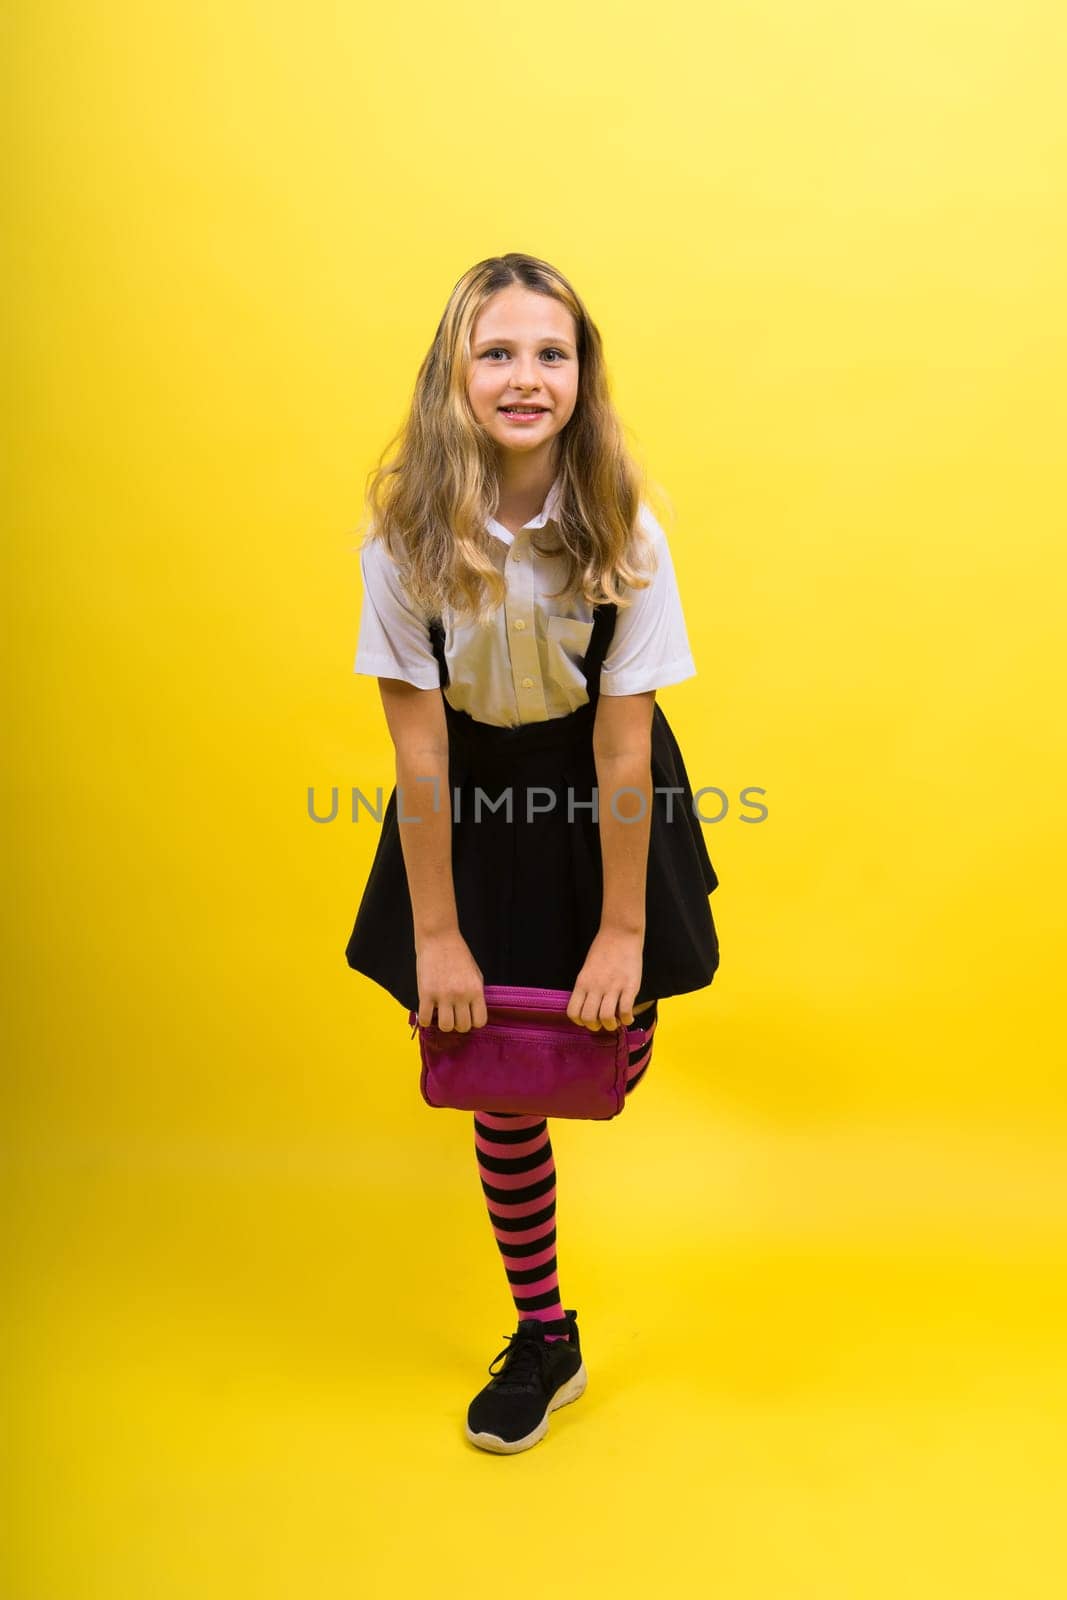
<point x="529" y="1057"/>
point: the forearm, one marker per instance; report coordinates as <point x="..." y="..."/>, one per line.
<point x="625" y="823"/>
<point x="426" y="839"/>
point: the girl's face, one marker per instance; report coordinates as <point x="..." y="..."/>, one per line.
<point x="523" y="354"/>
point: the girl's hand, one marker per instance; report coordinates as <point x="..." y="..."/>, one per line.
<point x="608" y="982"/>
<point x="449" y="979"/>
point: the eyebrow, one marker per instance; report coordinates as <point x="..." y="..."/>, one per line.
<point x="487" y="344"/>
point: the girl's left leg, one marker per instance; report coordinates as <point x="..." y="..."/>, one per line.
<point x="518" y="1176"/>
<point x="641" y="1032"/>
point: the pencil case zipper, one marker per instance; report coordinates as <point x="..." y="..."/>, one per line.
<point x="518" y="1032"/>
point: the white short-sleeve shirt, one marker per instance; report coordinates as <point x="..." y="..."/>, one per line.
<point x="525" y="664"/>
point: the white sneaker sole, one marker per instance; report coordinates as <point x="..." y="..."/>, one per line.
<point x="507" y="1447"/>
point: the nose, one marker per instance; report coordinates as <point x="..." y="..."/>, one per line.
<point x="524" y="374"/>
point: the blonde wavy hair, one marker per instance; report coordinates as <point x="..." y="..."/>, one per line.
<point x="429" y="501"/>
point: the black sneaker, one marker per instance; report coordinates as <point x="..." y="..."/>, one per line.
<point x="538" y="1376"/>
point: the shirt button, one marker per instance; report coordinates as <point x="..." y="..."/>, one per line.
<point x="527" y="683"/>
<point x="520" y="625"/>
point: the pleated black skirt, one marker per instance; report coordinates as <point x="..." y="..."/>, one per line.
<point x="528" y="877"/>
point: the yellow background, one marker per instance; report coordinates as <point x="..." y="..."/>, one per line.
<point x="819" y="1261"/>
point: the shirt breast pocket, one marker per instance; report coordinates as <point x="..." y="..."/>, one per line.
<point x="568" y="642"/>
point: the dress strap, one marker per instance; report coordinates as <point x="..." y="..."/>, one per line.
<point x="604" y="617"/>
<point x="437" y="643"/>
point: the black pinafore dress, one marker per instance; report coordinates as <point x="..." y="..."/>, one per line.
<point x="529" y="885"/>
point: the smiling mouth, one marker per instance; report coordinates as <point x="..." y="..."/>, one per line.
<point x="522" y="411"/>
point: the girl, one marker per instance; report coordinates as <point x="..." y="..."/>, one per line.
<point x="520" y="610"/>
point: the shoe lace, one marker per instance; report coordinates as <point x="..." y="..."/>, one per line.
<point x="525" y="1357"/>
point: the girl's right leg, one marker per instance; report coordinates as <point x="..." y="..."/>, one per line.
<point x="518" y="1176"/>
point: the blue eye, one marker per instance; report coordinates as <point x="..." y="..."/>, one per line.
<point x="499" y="350"/>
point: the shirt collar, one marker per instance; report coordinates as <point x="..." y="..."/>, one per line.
<point x="546" y="513"/>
